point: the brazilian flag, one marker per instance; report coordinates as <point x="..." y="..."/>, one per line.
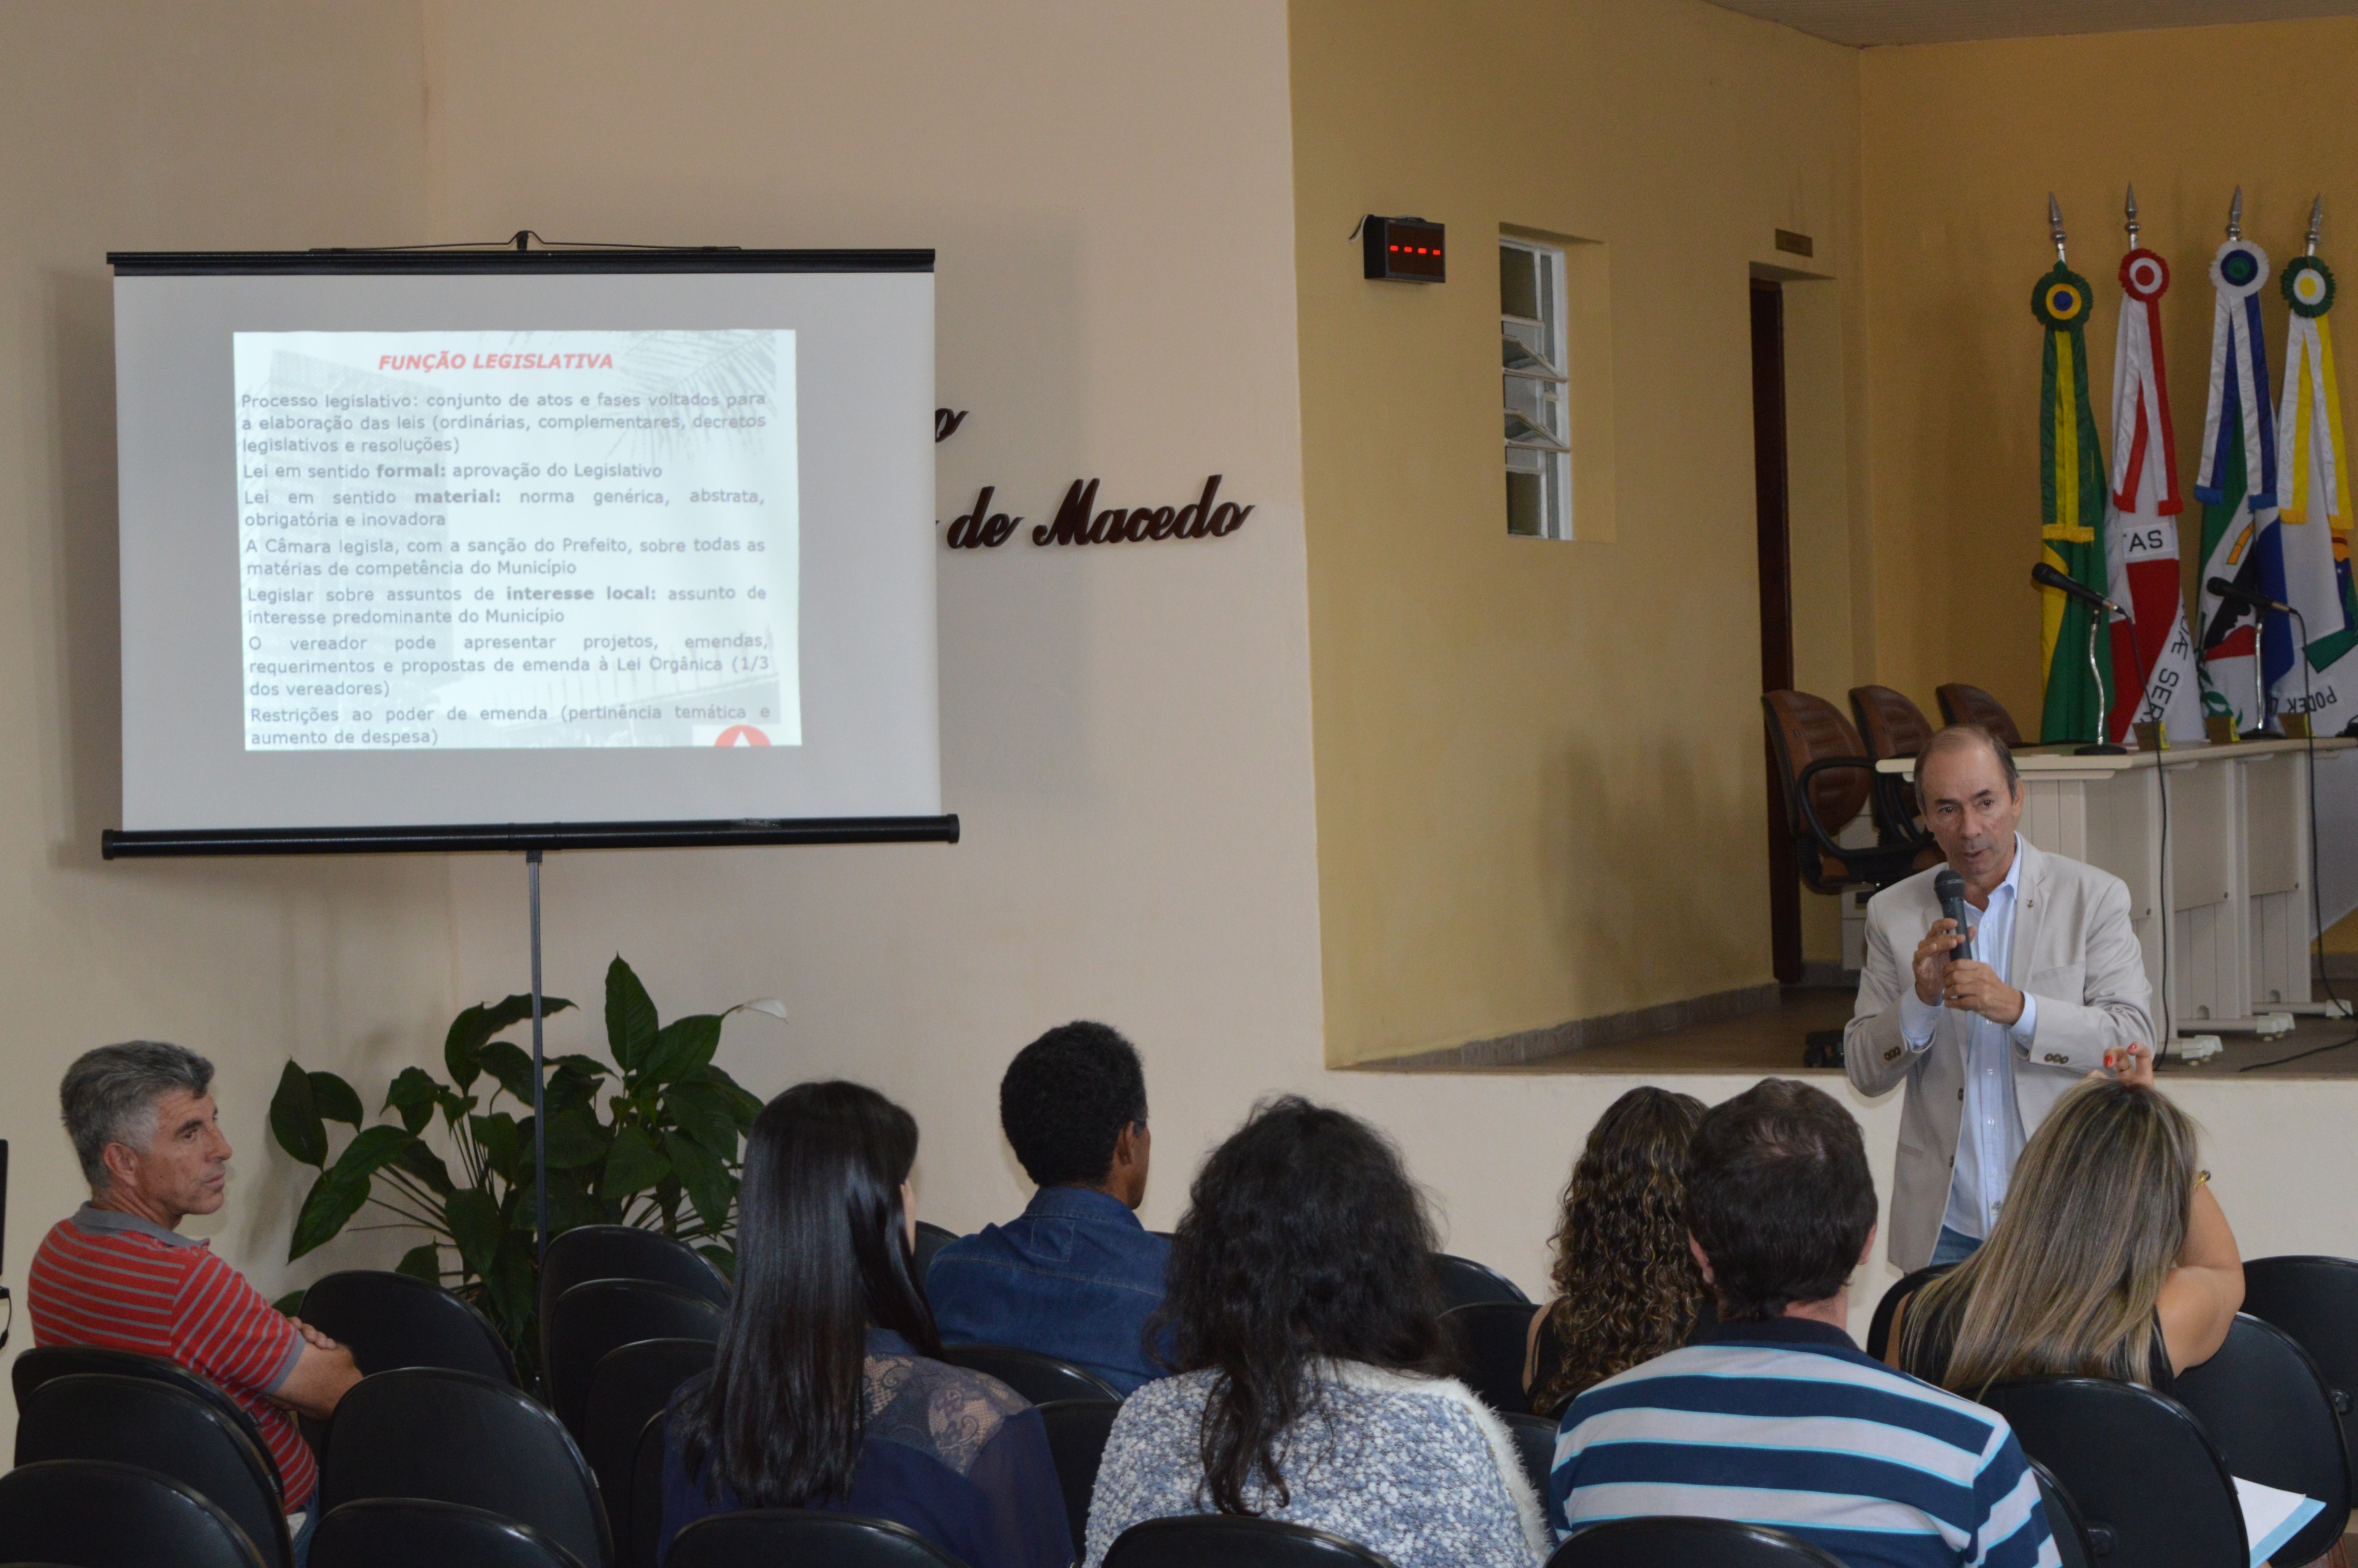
<point x="2072" y="490"/>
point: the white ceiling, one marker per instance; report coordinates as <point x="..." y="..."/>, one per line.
<point x="1865" y="22"/>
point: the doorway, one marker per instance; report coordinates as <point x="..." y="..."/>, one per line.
<point x="1774" y="528"/>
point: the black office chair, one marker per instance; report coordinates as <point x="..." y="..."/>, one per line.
<point x="1465" y="1282"/>
<point x="1535" y="1445"/>
<point x="2263" y="1403"/>
<point x="931" y="1239"/>
<point x="159" y="1427"/>
<point x="632" y="1383"/>
<point x="2074" y="1544"/>
<point x="404" y="1532"/>
<point x="92" y="1513"/>
<point x="600" y="1315"/>
<point x="1492" y="1339"/>
<point x="1688" y="1543"/>
<point x="806" y="1538"/>
<point x="453" y="1437"/>
<point x="2173" y="1506"/>
<point x="2315" y="1300"/>
<point x="1232" y="1540"/>
<point x="1039" y="1379"/>
<point x="641" y="1546"/>
<point x="589" y="1252"/>
<point x="1879" y="1329"/>
<point x="38" y="1365"/>
<point x="390" y="1320"/>
<point x="1078" y="1430"/>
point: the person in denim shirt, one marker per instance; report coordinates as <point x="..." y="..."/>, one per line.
<point x="1075" y="1275"/>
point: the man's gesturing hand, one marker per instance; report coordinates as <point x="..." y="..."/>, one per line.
<point x="1932" y="960"/>
<point x="1974" y="987"/>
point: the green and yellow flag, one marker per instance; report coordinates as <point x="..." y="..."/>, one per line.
<point x="2072" y="489"/>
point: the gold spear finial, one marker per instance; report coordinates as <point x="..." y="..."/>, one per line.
<point x="2055" y="226"/>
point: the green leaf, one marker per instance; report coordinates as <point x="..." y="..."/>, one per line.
<point x="468" y="1031"/>
<point x="290" y="1305"/>
<point x="426" y="1166"/>
<point x="575" y="1140"/>
<point x="502" y="1142"/>
<point x="421" y="1263"/>
<point x="336" y="1099"/>
<point x="510" y="1066"/>
<point x="569" y="1088"/>
<point x="704" y="1178"/>
<point x="632" y="1164"/>
<point x="476" y="1226"/>
<point x="721" y="1257"/>
<point x="702" y="1111"/>
<point x="295" y="1118"/>
<point x="743" y="1105"/>
<point x="589" y="1067"/>
<point x="414" y="1093"/>
<point x="683" y="1048"/>
<point x="508" y="1287"/>
<point x="630" y="1015"/>
<point x="338" y="1195"/>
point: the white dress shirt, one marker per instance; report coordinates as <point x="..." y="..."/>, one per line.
<point x="1989" y="1131"/>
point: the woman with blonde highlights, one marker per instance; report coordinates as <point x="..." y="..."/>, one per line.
<point x="1626" y="1285"/>
<point x="2111" y="1258"/>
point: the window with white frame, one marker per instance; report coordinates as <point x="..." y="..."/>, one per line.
<point x="1538" y="427"/>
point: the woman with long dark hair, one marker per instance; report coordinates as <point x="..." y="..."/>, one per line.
<point x="1307" y="1340"/>
<point x="1627" y="1286"/>
<point x="823" y="1391"/>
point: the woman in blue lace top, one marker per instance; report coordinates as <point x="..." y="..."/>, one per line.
<point x="825" y="1392"/>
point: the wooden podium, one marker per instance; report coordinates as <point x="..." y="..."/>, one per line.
<point x="2236" y="881"/>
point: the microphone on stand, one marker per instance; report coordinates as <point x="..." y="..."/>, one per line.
<point x="2046" y="576"/>
<point x="1949" y="889"/>
<point x="2261" y="604"/>
<point x="2238" y="594"/>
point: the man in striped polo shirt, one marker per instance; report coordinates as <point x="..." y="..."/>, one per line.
<point x="1775" y="1418"/>
<point x="120" y="1275"/>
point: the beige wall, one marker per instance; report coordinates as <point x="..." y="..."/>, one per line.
<point x="1540" y="777"/>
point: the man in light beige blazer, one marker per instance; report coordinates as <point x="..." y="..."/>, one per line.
<point x="1985" y="1057"/>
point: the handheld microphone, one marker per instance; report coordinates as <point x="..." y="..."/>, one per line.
<point x="1949" y="889"/>
<point x="2235" y="593"/>
<point x="2046" y="576"/>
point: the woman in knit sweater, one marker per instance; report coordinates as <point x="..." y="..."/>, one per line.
<point x="1310" y="1354"/>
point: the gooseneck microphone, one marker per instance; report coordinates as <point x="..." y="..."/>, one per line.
<point x="2235" y="593"/>
<point x="1949" y="889"/>
<point x="2046" y="576"/>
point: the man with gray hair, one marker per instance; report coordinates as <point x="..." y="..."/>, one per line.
<point x="120" y="1275"/>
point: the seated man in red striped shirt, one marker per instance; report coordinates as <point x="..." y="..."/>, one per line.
<point x="120" y="1275"/>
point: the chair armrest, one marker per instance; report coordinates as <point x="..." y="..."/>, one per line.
<point x="1825" y="840"/>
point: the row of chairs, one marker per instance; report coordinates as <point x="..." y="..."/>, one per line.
<point x="1826" y="765"/>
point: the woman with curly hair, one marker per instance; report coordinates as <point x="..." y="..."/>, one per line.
<point x="1626" y="1285"/>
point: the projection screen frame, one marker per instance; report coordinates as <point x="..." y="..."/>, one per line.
<point x="524" y="837"/>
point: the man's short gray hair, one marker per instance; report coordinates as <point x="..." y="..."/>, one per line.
<point x="1962" y="738"/>
<point x="110" y="1094"/>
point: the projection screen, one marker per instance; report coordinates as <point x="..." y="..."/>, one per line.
<point x="451" y="550"/>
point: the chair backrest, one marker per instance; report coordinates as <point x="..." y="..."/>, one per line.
<point x="38" y="1366"/>
<point x="1892" y="726"/>
<point x="1687" y="1542"/>
<point x="1535" y="1447"/>
<point x="931" y="1239"/>
<point x="1879" y="1329"/>
<point x="390" y="1320"/>
<point x="94" y="1513"/>
<point x="1803" y="730"/>
<point x="599" y="1316"/>
<point x="1232" y="1540"/>
<point x="806" y="1538"/>
<point x="1492" y="1339"/>
<point x="2173" y="1506"/>
<point x="1078" y="1430"/>
<point x="159" y="1427"/>
<point x="2073" y="1543"/>
<point x="1464" y="1282"/>
<point x="1039" y="1379"/>
<point x="622" y="1252"/>
<point x="632" y="1383"/>
<point x="2315" y="1300"/>
<point x="453" y="1437"/>
<point x="644" y="1546"/>
<point x="1962" y="704"/>
<point x="403" y="1532"/>
<point x="2263" y="1403"/>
